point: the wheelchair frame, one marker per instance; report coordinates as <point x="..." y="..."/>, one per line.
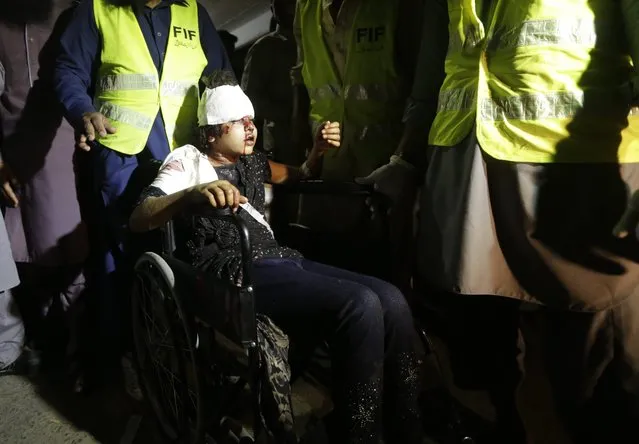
<point x="228" y="312"/>
<point x="172" y="280"/>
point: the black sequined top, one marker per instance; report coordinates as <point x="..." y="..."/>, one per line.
<point x="214" y="245"/>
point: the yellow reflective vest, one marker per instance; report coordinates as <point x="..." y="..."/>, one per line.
<point x="128" y="89"/>
<point x="369" y="95"/>
<point x="542" y="80"/>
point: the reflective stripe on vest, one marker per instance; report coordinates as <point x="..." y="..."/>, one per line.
<point x="176" y="88"/>
<point x="114" y="82"/>
<point x="555" y="105"/>
<point x="128" y="89"/>
<point x="124" y="115"/>
<point x="561" y="31"/>
<point x="531" y="78"/>
<point x="456" y="100"/>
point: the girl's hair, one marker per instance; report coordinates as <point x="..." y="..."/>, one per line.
<point x="216" y="78"/>
<point x="219" y="77"/>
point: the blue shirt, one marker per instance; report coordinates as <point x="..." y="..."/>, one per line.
<point x="80" y="51"/>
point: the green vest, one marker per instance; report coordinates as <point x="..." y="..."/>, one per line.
<point x="369" y="95"/>
<point x="128" y="89"/>
<point x="543" y="81"/>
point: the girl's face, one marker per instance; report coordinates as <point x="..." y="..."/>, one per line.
<point x="237" y="139"/>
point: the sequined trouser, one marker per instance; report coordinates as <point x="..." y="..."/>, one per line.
<point x="370" y="333"/>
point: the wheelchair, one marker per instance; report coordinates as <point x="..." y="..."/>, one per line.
<point x="195" y="337"/>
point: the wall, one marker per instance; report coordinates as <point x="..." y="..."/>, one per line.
<point x="247" y="19"/>
<point x="251" y="30"/>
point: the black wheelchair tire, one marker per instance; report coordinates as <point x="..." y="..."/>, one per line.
<point x="152" y="273"/>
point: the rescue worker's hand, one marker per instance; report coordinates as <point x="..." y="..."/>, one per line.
<point x="392" y="179"/>
<point x="9" y="185"/>
<point x="95" y="125"/>
<point x="219" y="193"/>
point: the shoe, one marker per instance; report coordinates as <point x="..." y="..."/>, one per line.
<point x="22" y="366"/>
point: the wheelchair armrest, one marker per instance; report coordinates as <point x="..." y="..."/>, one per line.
<point x="324" y="187"/>
<point x="245" y="244"/>
<point x="243" y="321"/>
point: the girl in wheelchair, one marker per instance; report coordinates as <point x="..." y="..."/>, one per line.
<point x="366" y="321"/>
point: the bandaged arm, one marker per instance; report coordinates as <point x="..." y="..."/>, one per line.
<point x="154" y="211"/>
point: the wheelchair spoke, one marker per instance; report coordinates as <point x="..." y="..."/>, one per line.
<point x="193" y="399"/>
<point x="166" y="354"/>
<point x="177" y="386"/>
<point x="167" y="385"/>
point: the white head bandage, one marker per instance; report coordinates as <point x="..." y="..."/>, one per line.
<point x="223" y="104"/>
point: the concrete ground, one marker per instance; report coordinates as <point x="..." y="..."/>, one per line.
<point x="34" y="412"/>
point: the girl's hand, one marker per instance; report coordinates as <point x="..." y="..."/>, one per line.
<point x="329" y="136"/>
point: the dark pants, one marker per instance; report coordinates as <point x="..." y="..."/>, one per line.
<point x="589" y="360"/>
<point x="369" y="329"/>
<point x="51" y="304"/>
<point x="118" y="180"/>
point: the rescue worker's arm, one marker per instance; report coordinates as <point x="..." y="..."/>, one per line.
<point x="75" y="65"/>
<point x="301" y="130"/>
<point x="429" y="75"/>
<point x="410" y="158"/>
<point x="153" y="212"/>
<point x="329" y="137"/>
<point x="256" y="81"/>
<point x="630" y="11"/>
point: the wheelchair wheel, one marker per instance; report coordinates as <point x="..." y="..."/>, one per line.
<point x="166" y="352"/>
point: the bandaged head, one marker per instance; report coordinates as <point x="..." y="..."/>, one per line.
<point x="223" y="104"/>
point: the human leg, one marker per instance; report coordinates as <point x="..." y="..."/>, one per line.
<point x="311" y="306"/>
<point x="11" y="331"/>
<point x="111" y="172"/>
<point x="482" y="339"/>
<point x="592" y="361"/>
<point x="50" y="302"/>
<point x="401" y="360"/>
<point x="11" y="326"/>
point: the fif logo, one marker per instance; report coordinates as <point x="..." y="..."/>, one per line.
<point x="370" y="35"/>
<point x="187" y="33"/>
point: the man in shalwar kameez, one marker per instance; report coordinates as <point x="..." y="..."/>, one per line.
<point x="531" y="180"/>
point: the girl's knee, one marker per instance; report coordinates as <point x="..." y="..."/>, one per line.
<point x="393" y="302"/>
<point x="366" y="302"/>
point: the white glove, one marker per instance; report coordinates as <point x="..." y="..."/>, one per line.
<point x="390" y="179"/>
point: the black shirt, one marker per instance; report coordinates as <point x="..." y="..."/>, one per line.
<point x="213" y="244"/>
